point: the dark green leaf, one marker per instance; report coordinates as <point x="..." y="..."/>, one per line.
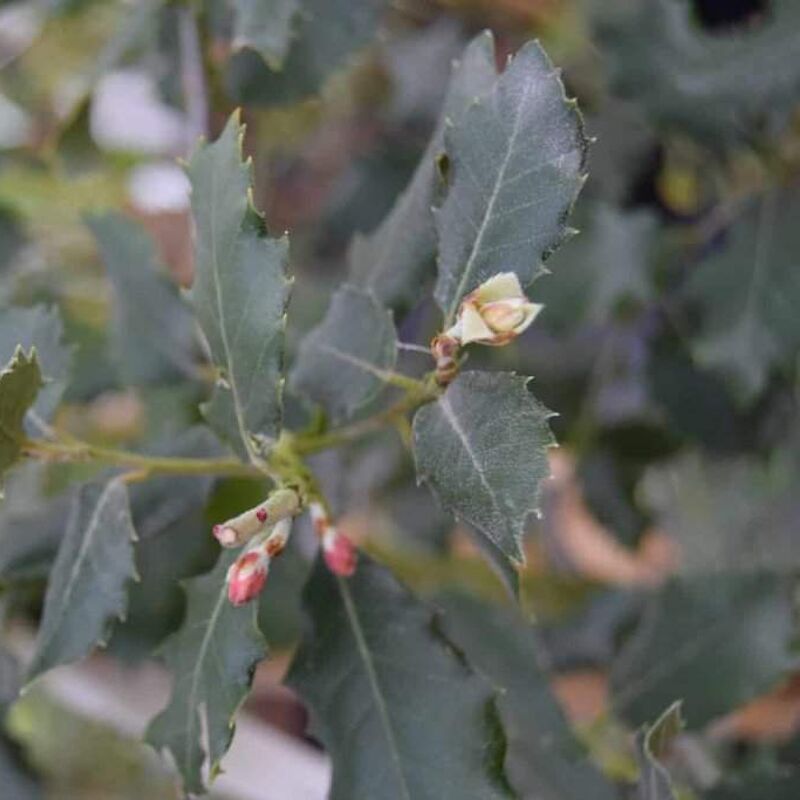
<point x="212" y="659"/>
<point x="781" y="785"/>
<point x="326" y="34"/>
<point x="153" y="329"/>
<point x="240" y="295"/>
<point x="41" y="328"/>
<point x="482" y="448"/>
<point x="544" y="759"/>
<point x="266" y="27"/>
<point x="516" y="164"/>
<point x="343" y="362"/>
<point x="714" y="641"/>
<point x="720" y="86"/>
<point x="400" y="713"/>
<point x="16" y="778"/>
<point x="87" y="589"/>
<point x="749" y="291"/>
<point x="20" y="381"/>
<point x="10" y="680"/>
<point x="393" y="260"/>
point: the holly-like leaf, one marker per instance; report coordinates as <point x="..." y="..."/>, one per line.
<point x="482" y="448"/>
<point x="729" y="515"/>
<point x="721" y="86"/>
<point x="516" y="162"/>
<point x="344" y="361"/>
<point x="240" y="295"/>
<point x="38" y="327"/>
<point x="326" y="33"/>
<point x="544" y="758"/>
<point x="651" y="743"/>
<point x="748" y="292"/>
<point x="715" y="641"/>
<point x="153" y="329"/>
<point x="87" y="589"/>
<point x="266" y="27"/>
<point x="212" y="659"/>
<point x="393" y="260"/>
<point x="371" y="661"/>
<point x="20" y="382"/>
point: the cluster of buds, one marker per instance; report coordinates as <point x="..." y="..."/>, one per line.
<point x="494" y="314"/>
<point x="337" y="549"/>
<point x="263" y="531"/>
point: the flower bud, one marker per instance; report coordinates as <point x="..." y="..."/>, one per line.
<point x="281" y="504"/>
<point x="444" y="349"/>
<point x="339" y="553"/>
<point x="247" y="576"/>
<point x="495" y="313"/>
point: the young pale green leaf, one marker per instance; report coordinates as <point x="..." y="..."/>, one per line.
<point x="482" y="448"/>
<point x="20" y="382"/>
<point x="327" y="33"/>
<point x="344" y="362"/>
<point x="266" y="27"/>
<point x="240" y="295"/>
<point x="544" y="758"/>
<point x="716" y="641"/>
<point x="749" y="292"/>
<point x="516" y="162"/>
<point x="153" y="329"/>
<point x="394" y="259"/>
<point x="212" y="658"/>
<point x="87" y="588"/>
<point x="719" y="86"/>
<point x="651" y="743"/>
<point x="38" y="327"/>
<point x="402" y="715"/>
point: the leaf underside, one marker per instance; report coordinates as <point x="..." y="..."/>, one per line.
<point x="20" y="382"/>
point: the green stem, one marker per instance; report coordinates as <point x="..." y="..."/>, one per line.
<point x="164" y="465"/>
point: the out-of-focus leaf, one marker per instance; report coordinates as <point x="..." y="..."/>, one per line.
<point x="482" y="449"/>
<point x="654" y="781"/>
<point x="20" y="381"/>
<point x="516" y="162"/>
<point x="719" y="86"/>
<point x="266" y="27"/>
<point x="371" y="660"/>
<point x="392" y="261"/>
<point x="781" y="785"/>
<point x="87" y="590"/>
<point x="153" y="330"/>
<point x="729" y="515"/>
<point x="343" y="362"/>
<point x="714" y="641"/>
<point x="748" y="291"/>
<point x="595" y="273"/>
<point x="212" y="658"/>
<point x="240" y="295"/>
<point x="326" y="33"/>
<point x="544" y="760"/>
<point x="174" y="542"/>
<point x="10" y="680"/>
<point x="31" y="524"/>
<point x="16" y="778"/>
<point x="41" y="328"/>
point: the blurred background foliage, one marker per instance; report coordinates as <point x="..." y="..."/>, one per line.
<point x="664" y="567"/>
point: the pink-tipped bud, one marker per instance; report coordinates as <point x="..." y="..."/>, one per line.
<point x="319" y="518"/>
<point x="225" y="535"/>
<point x="247" y="576"/>
<point x="262" y="515"/>
<point x="339" y="553"/>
